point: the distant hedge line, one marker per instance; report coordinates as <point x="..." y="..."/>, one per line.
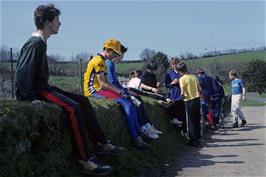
<point x="35" y="143"/>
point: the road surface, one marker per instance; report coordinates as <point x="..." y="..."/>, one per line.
<point x="227" y="152"/>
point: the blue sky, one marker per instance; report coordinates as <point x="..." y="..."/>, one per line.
<point x="173" y="27"/>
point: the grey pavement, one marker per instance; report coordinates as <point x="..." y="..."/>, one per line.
<point x="227" y="152"/>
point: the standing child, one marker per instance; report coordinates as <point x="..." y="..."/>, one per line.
<point x="217" y="100"/>
<point x="190" y="90"/>
<point x="176" y="111"/>
<point x="238" y="95"/>
<point x="206" y="84"/>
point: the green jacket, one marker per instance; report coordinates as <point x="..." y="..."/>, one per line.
<point x="32" y="72"/>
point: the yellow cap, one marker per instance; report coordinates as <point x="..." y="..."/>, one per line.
<point x="114" y="45"/>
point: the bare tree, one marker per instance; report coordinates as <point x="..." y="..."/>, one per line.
<point x="147" y="54"/>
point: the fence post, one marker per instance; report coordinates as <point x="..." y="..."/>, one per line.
<point x="81" y="77"/>
<point x="12" y="82"/>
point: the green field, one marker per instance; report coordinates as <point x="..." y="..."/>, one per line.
<point x="124" y="68"/>
<point x="235" y="58"/>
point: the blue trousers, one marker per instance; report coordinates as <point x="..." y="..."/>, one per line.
<point x="131" y="116"/>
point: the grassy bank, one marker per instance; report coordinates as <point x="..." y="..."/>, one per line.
<point x="50" y="151"/>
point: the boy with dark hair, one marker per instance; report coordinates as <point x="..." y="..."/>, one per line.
<point x="31" y="80"/>
<point x="207" y="85"/>
<point x="190" y="91"/>
<point x="148" y="79"/>
<point x="217" y="100"/>
<point x="238" y="95"/>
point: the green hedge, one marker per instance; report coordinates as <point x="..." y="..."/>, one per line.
<point x="51" y="153"/>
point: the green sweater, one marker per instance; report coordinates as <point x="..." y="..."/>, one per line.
<point x="32" y="72"/>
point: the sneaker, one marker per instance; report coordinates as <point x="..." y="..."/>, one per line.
<point x="95" y="167"/>
<point x="193" y="143"/>
<point x="109" y="148"/>
<point x="154" y="130"/>
<point x="213" y="127"/>
<point x="175" y="121"/>
<point x="235" y="125"/>
<point x="149" y="132"/>
<point x="142" y="145"/>
<point x="183" y="133"/>
<point x="243" y="123"/>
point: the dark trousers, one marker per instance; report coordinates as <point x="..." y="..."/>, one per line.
<point x="142" y="116"/>
<point x="80" y="116"/>
<point x="216" y="107"/>
<point x="178" y="110"/>
<point x="193" y="119"/>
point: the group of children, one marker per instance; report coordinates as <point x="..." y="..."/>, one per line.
<point x="100" y="81"/>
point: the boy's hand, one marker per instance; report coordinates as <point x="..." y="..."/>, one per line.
<point x="244" y="98"/>
<point x="175" y="81"/>
<point x="155" y="90"/>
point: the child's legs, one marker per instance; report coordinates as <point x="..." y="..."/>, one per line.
<point x="216" y="107"/>
<point x="75" y="117"/>
<point x="193" y="118"/>
<point x="141" y="113"/>
<point x="131" y="116"/>
<point x="108" y="94"/>
<point x="95" y="132"/>
<point x="235" y="107"/>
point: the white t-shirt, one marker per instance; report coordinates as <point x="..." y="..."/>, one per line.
<point x="134" y="83"/>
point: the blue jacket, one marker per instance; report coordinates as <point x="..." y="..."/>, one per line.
<point x="207" y="85"/>
<point x="111" y="74"/>
<point x="173" y="90"/>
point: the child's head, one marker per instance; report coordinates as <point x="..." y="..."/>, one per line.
<point x="151" y="66"/>
<point x="132" y="74"/>
<point x="200" y="71"/>
<point x="112" y="48"/>
<point x="232" y="74"/>
<point x="45" y="14"/>
<point x="138" y="73"/>
<point x="182" y="67"/>
<point x="173" y="62"/>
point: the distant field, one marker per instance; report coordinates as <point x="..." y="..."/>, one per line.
<point x="125" y="68"/>
<point x="234" y="58"/>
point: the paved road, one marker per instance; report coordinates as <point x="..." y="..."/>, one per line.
<point x="238" y="152"/>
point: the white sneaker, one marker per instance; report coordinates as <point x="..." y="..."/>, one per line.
<point x="95" y="167"/>
<point x="175" y="121"/>
<point x="149" y="132"/>
<point x="154" y="130"/>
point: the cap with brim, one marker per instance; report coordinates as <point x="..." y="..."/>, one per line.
<point x="114" y="45"/>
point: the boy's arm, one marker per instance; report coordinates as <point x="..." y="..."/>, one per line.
<point x="111" y="74"/>
<point x="244" y="93"/>
<point x="27" y="74"/>
<point x="105" y="85"/>
<point x="146" y="87"/>
<point x="199" y="88"/>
